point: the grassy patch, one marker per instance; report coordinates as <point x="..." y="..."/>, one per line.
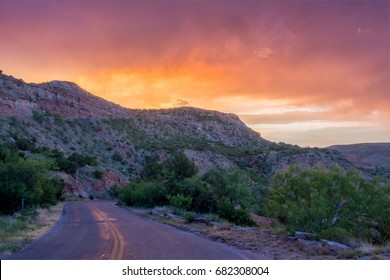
<point x="11" y="229"/>
<point x="18" y="230"/>
<point x="14" y="232"/>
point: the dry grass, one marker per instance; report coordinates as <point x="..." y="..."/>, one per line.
<point x="46" y="220"/>
<point x="17" y="231"/>
<point x="269" y="240"/>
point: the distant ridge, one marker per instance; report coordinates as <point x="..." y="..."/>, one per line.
<point x="366" y="155"/>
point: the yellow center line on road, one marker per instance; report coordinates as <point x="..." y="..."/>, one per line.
<point x="118" y="246"/>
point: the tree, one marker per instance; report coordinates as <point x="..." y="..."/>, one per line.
<point x="181" y="167"/>
<point x="29" y="180"/>
<point x="334" y="204"/>
<point x="73" y="162"/>
<point x="153" y="171"/>
<point x="202" y="197"/>
<point x="232" y="184"/>
<point x="142" y="193"/>
<point x="232" y="193"/>
<point x="180" y="201"/>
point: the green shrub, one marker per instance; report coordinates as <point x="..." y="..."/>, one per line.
<point x="146" y="194"/>
<point x="333" y="204"/>
<point x="180" y="201"/>
<point x="38" y="117"/>
<point x="82" y="160"/>
<point x="225" y="209"/>
<point x="153" y="171"/>
<point x="68" y="166"/>
<point x="239" y="216"/>
<point x="231" y="189"/>
<point x="24" y="144"/>
<point x="336" y="233"/>
<point x="232" y="184"/>
<point x="26" y="179"/>
<point x="72" y="163"/>
<point x="179" y="211"/>
<point x="116" y="157"/>
<point x="115" y="190"/>
<point x="189" y="217"/>
<point x="21" y="219"/>
<point x="181" y="167"/>
<point x="243" y="217"/>
<point x="202" y="196"/>
<point x="98" y="174"/>
<point x="58" y="120"/>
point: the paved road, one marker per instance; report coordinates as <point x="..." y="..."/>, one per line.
<point x="99" y="230"/>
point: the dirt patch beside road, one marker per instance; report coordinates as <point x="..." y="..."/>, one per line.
<point x="264" y="241"/>
<point x="268" y="241"/>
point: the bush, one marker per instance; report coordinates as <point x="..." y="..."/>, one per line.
<point x="98" y="174"/>
<point x="202" y="197"/>
<point x="227" y="192"/>
<point x="58" y="120"/>
<point x="189" y="217"/>
<point x="231" y="189"/>
<point x="181" y="167"/>
<point x="72" y="163"/>
<point x="82" y="160"/>
<point x="153" y="171"/>
<point x="146" y="194"/>
<point x="116" y="157"/>
<point x="333" y="204"/>
<point x="115" y="190"/>
<point x="180" y="201"/>
<point x="24" y="144"/>
<point x="242" y="217"/>
<point x="29" y="180"/>
<point x="336" y="233"/>
<point x="38" y="117"/>
<point x="232" y="184"/>
<point x="68" y="166"/>
<point x="239" y="216"/>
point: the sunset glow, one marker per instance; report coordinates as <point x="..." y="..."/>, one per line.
<point x="312" y="73"/>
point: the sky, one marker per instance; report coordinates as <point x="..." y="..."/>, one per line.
<point x="311" y="73"/>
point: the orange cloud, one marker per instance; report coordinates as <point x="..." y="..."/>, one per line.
<point x="274" y="63"/>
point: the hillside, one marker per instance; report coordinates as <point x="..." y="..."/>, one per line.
<point x="366" y="155"/>
<point x="69" y="101"/>
<point x="374" y="158"/>
<point x="63" y="117"/>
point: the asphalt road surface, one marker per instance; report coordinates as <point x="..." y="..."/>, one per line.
<point x="96" y="230"/>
